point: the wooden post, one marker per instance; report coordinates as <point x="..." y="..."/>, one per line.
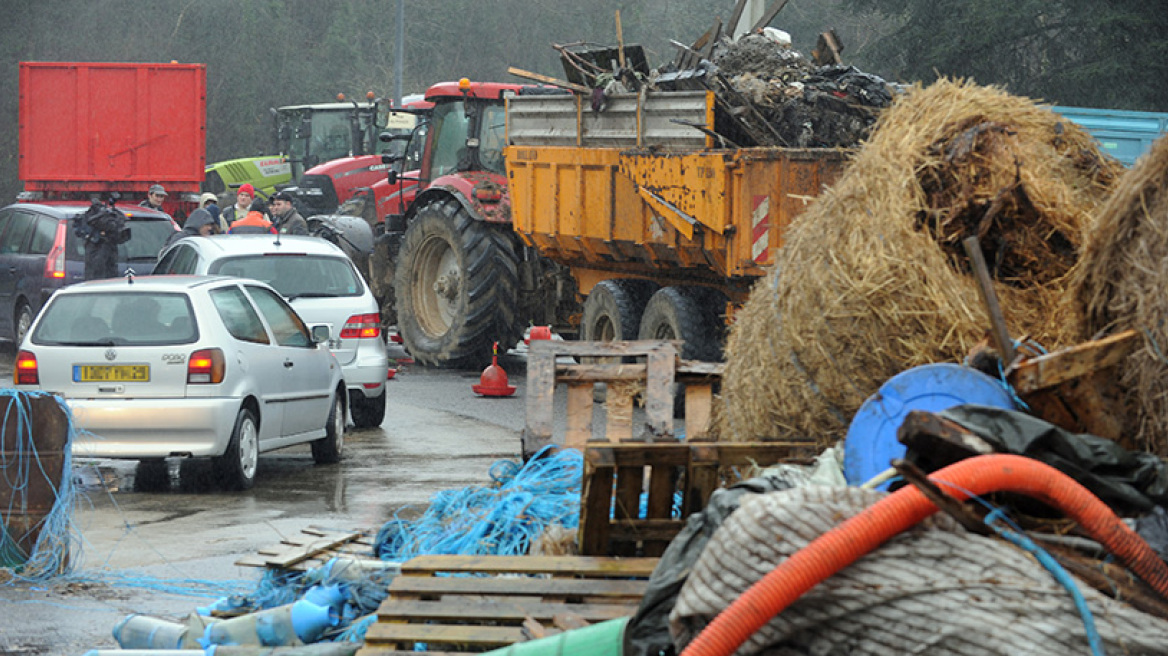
<point x="986" y="286"/>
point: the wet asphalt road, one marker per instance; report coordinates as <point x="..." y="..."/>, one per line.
<point x="437" y="435"/>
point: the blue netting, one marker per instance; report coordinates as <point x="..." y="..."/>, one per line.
<point x="22" y="466"/>
<point x="503" y="518"/>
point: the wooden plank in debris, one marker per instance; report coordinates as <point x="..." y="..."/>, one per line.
<point x="579" y="415"/>
<point x="554" y="565"/>
<point x="541" y="386"/>
<point x="659" y="394"/>
<point x="428" y="586"/>
<point x="769" y="15"/>
<point x="600" y="348"/>
<point x="618" y="411"/>
<point x="699" y="404"/>
<point x="296" y="550"/>
<point x="647" y="530"/>
<point x="500" y="609"/>
<point x="595" y="502"/>
<point x="491" y="636"/>
<point x="519" y="72"/>
<point x="1068" y="364"/>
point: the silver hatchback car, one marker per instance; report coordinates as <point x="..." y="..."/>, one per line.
<point x="320" y="281"/>
<point x="194" y="366"/>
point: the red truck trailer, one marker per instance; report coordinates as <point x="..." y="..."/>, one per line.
<point x="88" y="129"/>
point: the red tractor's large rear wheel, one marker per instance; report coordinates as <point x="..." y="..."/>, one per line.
<point x="457" y="288"/>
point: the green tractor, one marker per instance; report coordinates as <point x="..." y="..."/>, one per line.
<point x="304" y="136"/>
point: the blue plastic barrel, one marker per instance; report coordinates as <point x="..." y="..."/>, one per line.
<point x="871" y="443"/>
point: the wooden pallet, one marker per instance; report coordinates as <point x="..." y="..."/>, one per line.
<point x="312" y="548"/>
<point x="625" y="464"/>
<point x="461" y="604"/>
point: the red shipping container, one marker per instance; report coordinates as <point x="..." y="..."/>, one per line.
<point x="97" y="127"/>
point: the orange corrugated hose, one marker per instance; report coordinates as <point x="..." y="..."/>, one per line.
<point x="843" y="545"/>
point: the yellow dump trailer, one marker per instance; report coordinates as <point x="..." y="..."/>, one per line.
<point x="659" y="227"/>
<point x="711" y="217"/>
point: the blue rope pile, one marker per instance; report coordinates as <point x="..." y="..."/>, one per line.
<point x="501" y="519"/>
<point x="21" y="465"/>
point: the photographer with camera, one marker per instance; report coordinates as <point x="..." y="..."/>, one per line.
<point x="101" y="228"/>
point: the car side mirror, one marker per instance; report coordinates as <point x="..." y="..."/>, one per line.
<point x="320" y="334"/>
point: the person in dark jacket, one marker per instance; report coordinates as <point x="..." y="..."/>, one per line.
<point x="199" y="223"/>
<point x="285" y="217"/>
<point x="154" y="198"/>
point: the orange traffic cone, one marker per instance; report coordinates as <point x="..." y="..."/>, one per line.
<point x="538" y="332"/>
<point x="493" y="382"/>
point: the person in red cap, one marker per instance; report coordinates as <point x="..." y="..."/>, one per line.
<point x="256" y="221"/>
<point x="243" y="200"/>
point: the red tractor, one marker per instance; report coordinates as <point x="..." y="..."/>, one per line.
<point x="462" y="279"/>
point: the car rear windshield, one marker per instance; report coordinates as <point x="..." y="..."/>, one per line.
<point x="146" y="239"/>
<point x="296" y="275"/>
<point x="117" y="319"/>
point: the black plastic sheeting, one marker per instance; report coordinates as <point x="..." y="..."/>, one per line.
<point x="1131" y="482"/>
<point x="647" y="633"/>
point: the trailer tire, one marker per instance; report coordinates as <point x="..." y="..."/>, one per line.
<point x="613" y="309"/>
<point x="612" y="312"/>
<point x="691" y="314"/>
<point x="456" y="288"/>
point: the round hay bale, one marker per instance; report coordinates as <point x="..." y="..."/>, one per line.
<point x="1119" y="284"/>
<point x="873" y="278"/>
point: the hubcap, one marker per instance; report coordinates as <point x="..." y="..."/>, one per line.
<point x="438" y="293"/>
<point x="248" y="448"/>
<point x="339" y="425"/>
<point x="22" y="325"/>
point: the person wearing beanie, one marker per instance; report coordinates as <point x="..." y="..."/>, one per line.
<point x="254" y="222"/>
<point x="154" y="198"/>
<point x="243" y="200"/>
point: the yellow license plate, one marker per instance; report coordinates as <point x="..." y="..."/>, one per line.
<point x="111" y="373"/>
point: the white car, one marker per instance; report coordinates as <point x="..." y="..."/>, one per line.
<point x="192" y="366"/>
<point x="324" y="286"/>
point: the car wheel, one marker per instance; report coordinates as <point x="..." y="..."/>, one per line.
<point x="23" y="322"/>
<point x="237" y="466"/>
<point x="368" y="412"/>
<point x="327" y="449"/>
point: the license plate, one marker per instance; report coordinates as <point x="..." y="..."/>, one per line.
<point x="111" y="373"/>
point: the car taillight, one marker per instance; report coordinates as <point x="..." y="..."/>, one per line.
<point x="55" y="261"/>
<point x="362" y="326"/>
<point x="206" y="366"/>
<point x="25" y="371"/>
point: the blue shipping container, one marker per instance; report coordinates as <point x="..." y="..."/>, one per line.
<point x="1125" y="135"/>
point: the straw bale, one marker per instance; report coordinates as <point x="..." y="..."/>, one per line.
<point x="1120" y="283"/>
<point x="873" y="278"/>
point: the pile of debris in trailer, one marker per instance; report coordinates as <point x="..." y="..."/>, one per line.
<point x="767" y="93"/>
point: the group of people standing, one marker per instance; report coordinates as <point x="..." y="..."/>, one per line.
<point x="249" y="214"/>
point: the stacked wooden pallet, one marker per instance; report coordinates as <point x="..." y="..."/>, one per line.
<point x="461" y="604"/>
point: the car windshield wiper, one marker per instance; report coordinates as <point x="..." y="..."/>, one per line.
<point x="311" y="295"/>
<point x="105" y="341"/>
